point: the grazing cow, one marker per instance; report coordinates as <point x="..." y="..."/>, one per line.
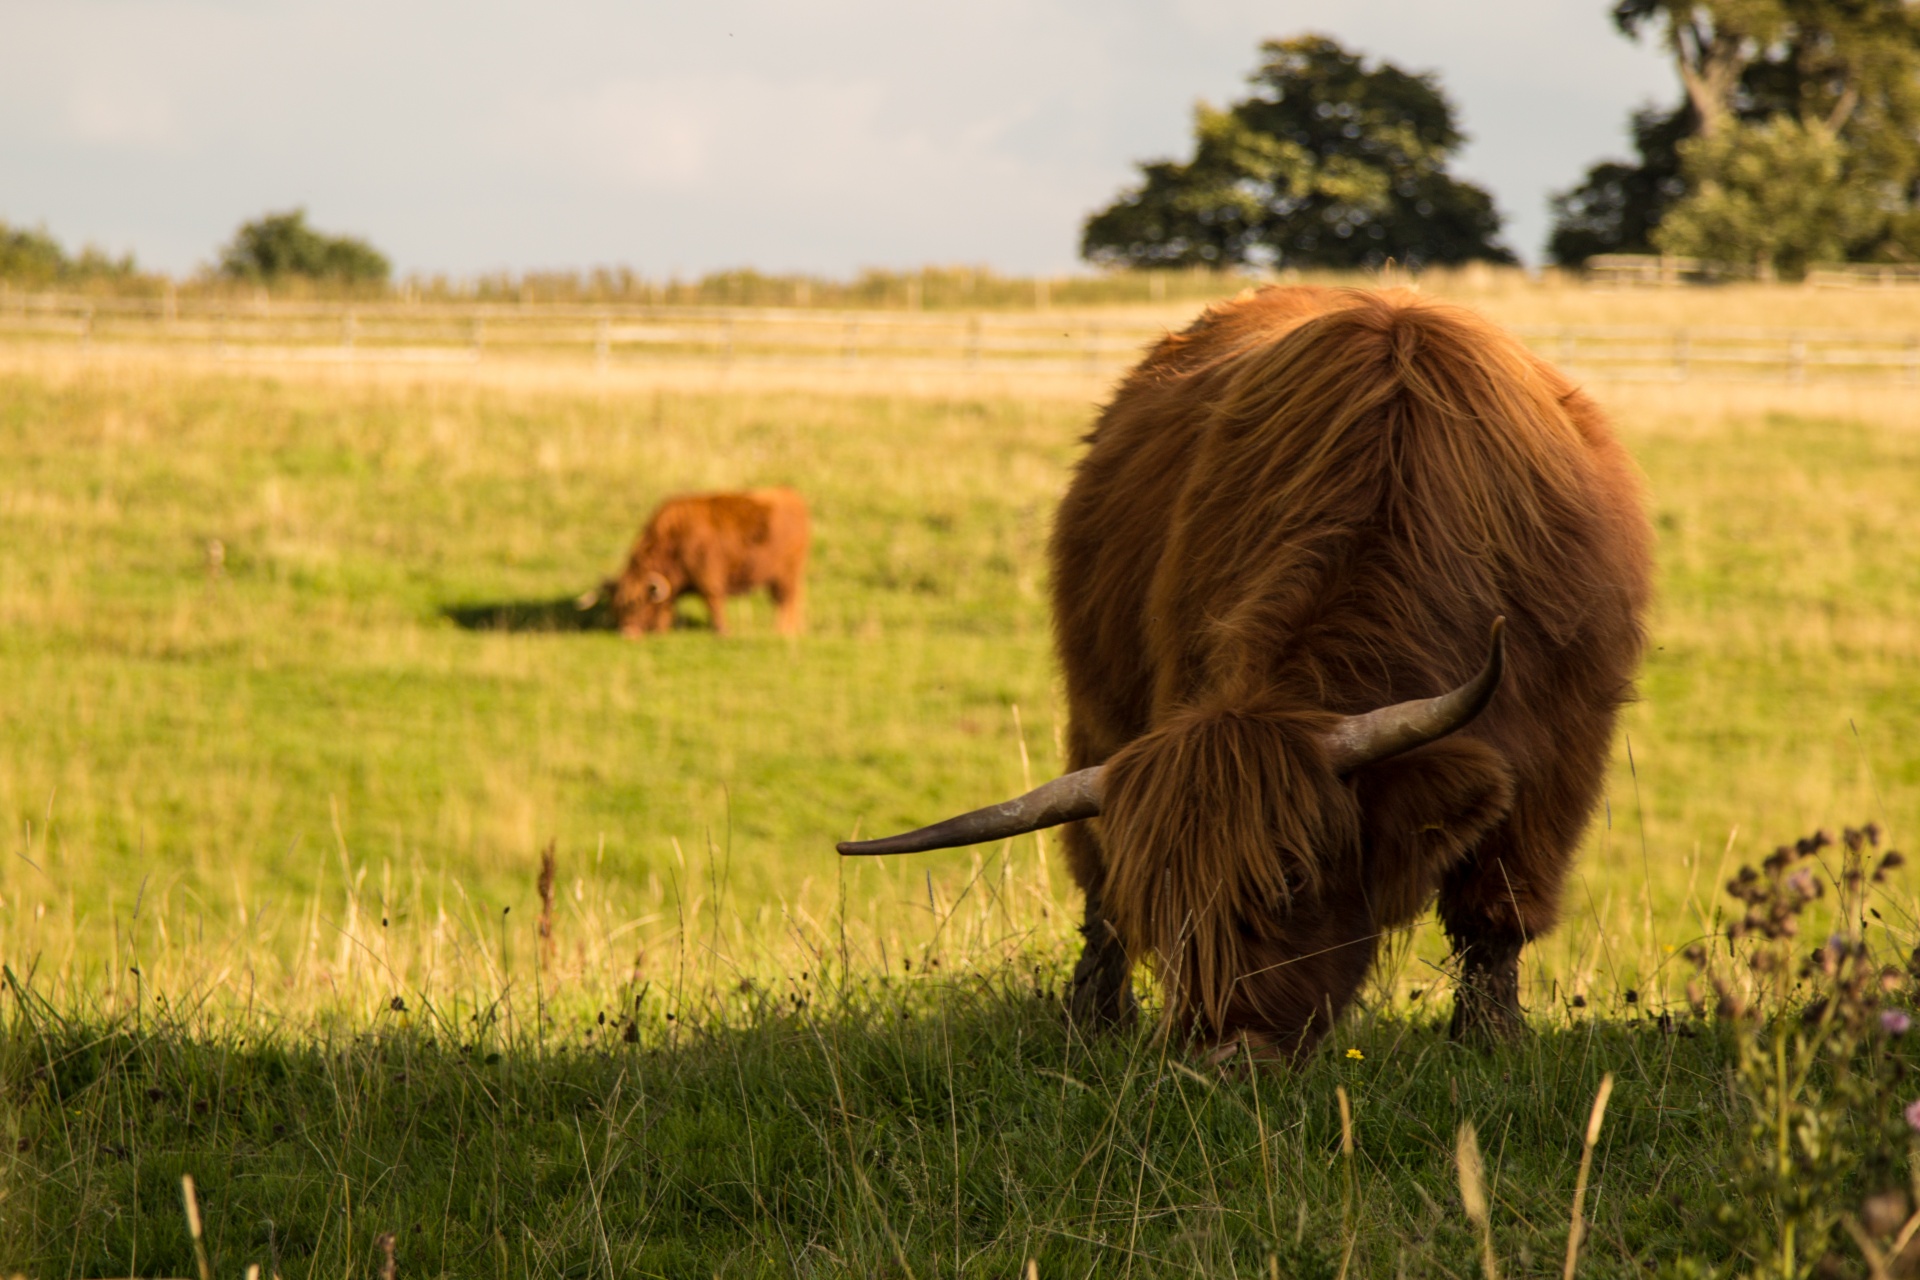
<point x="1295" y="533"/>
<point x="714" y="545"/>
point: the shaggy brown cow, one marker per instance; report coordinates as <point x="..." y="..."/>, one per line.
<point x="714" y="545"/>
<point x="1306" y="508"/>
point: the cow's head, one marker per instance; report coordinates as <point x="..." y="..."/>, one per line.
<point x="643" y="598"/>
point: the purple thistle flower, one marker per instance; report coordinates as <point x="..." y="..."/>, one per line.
<point x="1895" y="1022"/>
<point x="1913" y="1114"/>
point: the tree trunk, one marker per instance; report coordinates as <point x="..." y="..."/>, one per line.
<point x="1710" y="61"/>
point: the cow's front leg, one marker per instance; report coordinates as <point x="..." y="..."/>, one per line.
<point x="716" y="609"/>
<point x="1102" y="992"/>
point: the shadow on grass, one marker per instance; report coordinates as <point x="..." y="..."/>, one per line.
<point x="562" y="613"/>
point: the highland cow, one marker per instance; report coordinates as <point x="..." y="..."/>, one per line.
<point x="1292" y="538"/>
<point x="713" y="545"/>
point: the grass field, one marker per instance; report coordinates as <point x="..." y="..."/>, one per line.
<point x="296" y="698"/>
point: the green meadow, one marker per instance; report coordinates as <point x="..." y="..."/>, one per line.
<point x="296" y="697"/>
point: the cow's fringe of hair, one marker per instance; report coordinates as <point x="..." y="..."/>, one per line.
<point x="1238" y="812"/>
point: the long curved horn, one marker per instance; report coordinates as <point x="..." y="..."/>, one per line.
<point x="1388" y="731"/>
<point x="1065" y="799"/>
<point x="1355" y="741"/>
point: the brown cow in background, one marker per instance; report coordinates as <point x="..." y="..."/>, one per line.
<point x="714" y="545"/>
<point x="1295" y="527"/>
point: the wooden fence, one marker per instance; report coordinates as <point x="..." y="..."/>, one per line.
<point x="1641" y="270"/>
<point x="1095" y="341"/>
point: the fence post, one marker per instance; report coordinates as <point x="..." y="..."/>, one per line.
<point x="1682" y="353"/>
<point x="600" y="343"/>
<point x="850" y="350"/>
<point x="346" y="335"/>
<point x="1797" y="359"/>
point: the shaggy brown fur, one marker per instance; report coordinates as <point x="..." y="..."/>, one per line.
<point x="1314" y="502"/>
<point x="716" y="545"/>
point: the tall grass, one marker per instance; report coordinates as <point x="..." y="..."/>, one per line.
<point x="868" y="1110"/>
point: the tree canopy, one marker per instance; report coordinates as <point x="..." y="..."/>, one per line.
<point x="281" y="245"/>
<point x="32" y="256"/>
<point x="1773" y="194"/>
<point x="1329" y="162"/>
<point x="1766" y="84"/>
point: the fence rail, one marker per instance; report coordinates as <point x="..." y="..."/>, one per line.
<point x="1639" y="270"/>
<point x="1102" y="342"/>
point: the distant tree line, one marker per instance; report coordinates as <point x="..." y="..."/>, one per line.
<point x="281" y="247"/>
<point x="274" y="249"/>
<point x="1796" y="140"/>
<point x="31" y="256"/>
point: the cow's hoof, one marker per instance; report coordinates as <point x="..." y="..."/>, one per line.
<point x="1101" y="1006"/>
<point x="1248" y="1055"/>
<point x="1101" y="994"/>
<point x="1483" y="1022"/>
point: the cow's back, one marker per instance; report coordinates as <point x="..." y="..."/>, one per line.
<point x="1111" y="531"/>
<point x="1206" y="551"/>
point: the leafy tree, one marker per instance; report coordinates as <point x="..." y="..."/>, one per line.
<point x="34" y="257"/>
<point x="1851" y="67"/>
<point x="31" y="255"/>
<point x="1616" y="209"/>
<point x="1772" y="194"/>
<point x="1329" y="163"/>
<point x="281" y="245"/>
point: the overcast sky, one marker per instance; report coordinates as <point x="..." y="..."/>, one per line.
<point x="684" y="137"/>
